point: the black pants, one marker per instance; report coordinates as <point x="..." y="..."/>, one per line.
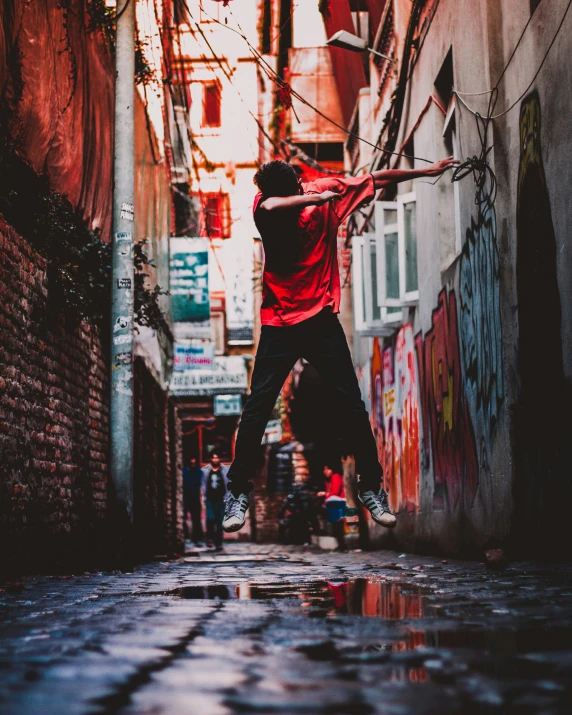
<point x="321" y="341"/>
<point x="215" y="517"/>
<point x="194" y="508"/>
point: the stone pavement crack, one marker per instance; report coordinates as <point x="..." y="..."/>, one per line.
<point x="121" y="696"/>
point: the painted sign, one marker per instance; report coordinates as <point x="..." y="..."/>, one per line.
<point x="193" y="355"/>
<point x="227" y="405"/>
<point x="189" y="287"/>
<point x="227" y="375"/>
<point x="273" y="432"/>
<point x="239" y="270"/>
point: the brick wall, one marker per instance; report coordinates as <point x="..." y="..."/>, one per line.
<point x="158" y="526"/>
<point x="54" y="491"/>
<point x="53" y="419"/>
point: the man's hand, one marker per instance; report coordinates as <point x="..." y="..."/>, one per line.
<point x="326" y="196"/>
<point x="440" y="167"/>
<point x="385" y="177"/>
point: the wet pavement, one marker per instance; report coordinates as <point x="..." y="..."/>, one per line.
<point x="268" y="629"/>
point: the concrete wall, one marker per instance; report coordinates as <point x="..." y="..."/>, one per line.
<point x="476" y="449"/>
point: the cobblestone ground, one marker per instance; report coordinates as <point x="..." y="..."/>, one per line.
<point x="263" y="629"/>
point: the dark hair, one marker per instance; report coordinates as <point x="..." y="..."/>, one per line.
<point x="277" y="178"/>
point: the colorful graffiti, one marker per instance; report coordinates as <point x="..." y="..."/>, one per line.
<point x="447" y="422"/>
<point x="480" y="322"/>
<point x="395" y="417"/>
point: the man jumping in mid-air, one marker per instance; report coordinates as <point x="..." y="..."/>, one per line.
<point x="299" y="224"/>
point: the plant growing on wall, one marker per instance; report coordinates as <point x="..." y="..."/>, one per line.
<point x="78" y="262"/>
<point x="102" y="18"/>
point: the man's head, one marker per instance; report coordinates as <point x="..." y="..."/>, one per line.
<point x="328" y="471"/>
<point x="215" y="460"/>
<point x="277" y="178"/>
<point x="193" y="462"/>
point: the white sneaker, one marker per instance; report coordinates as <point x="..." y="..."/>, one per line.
<point x="378" y="507"/>
<point x="235" y="512"/>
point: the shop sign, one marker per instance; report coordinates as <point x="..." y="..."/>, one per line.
<point x="189" y="281"/>
<point x="273" y="432"/>
<point x="228" y="375"/>
<point x="194" y="355"/>
<point x="227" y="405"/>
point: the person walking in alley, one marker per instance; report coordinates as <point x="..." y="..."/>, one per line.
<point x="215" y="493"/>
<point x="301" y="293"/>
<point x="192" y="484"/>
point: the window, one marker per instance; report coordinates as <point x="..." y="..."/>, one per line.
<point x="370" y="318"/>
<point x="452" y="149"/>
<point x="215" y="219"/>
<point x="450" y="238"/>
<point x="396" y="255"/>
<point x="211" y="104"/>
<point x="323" y="151"/>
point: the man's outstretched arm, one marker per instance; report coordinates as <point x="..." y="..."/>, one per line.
<point x="298" y="201"/>
<point x="395" y="176"/>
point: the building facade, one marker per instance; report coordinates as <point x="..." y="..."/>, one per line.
<point x="461" y="291"/>
<point x="213" y="255"/>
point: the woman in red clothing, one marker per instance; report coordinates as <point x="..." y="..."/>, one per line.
<point x="299" y="224"/>
<point x="334" y="483"/>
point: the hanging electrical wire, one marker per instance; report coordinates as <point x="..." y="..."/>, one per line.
<point x="524" y="93"/>
<point x="273" y="76"/>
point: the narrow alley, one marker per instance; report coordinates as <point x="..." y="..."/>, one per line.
<point x="268" y="629"/>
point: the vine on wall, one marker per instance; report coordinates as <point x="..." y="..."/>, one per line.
<point x="102" y="19"/>
<point x="78" y="262"/>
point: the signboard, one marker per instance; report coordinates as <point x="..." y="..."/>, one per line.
<point x="227" y="405"/>
<point x="193" y="355"/>
<point x="239" y="271"/>
<point x="189" y="284"/>
<point x="228" y="375"/>
<point x="273" y="432"/>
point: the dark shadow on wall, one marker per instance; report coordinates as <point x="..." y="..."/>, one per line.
<point x="542" y="415"/>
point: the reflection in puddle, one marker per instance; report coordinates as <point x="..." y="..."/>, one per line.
<point x="355" y="597"/>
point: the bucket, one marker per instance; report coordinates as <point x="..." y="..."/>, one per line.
<point x="336" y="508"/>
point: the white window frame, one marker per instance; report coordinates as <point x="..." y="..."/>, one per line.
<point x="361" y="272"/>
<point x="382" y="229"/>
<point x="360" y="322"/>
<point x="407" y="297"/>
<point x="450" y="127"/>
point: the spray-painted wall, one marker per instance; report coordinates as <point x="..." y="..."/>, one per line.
<point x="470" y="396"/>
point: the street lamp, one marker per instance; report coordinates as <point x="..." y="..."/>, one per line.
<point x="347" y="41"/>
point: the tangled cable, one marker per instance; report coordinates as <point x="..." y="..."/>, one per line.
<point x="479" y="166"/>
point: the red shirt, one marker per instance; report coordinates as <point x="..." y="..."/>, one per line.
<point x="335" y="487"/>
<point x="300" y="287"/>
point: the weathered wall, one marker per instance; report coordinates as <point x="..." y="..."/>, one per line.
<point x="53" y="419"/>
<point x="56" y="502"/>
<point x="155" y="482"/>
<point x="470" y="398"/>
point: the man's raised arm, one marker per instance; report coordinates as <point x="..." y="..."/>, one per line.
<point x="277" y="203"/>
<point x="395" y="176"/>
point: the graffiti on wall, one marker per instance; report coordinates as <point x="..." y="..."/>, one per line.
<point x="395" y="417"/>
<point x="447" y="422"/>
<point x="480" y="321"/>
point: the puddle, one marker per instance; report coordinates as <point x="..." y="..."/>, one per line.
<point x="355" y="597"/>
